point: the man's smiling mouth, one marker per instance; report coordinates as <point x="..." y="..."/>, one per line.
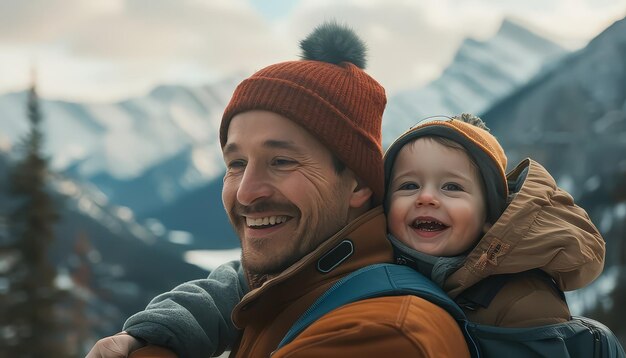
<point x="267" y="221"/>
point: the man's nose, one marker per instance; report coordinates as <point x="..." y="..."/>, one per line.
<point x="255" y="184"/>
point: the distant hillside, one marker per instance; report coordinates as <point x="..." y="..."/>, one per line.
<point x="201" y="213"/>
<point x="124" y="259"/>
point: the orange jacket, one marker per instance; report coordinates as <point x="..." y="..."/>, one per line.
<point x="405" y="326"/>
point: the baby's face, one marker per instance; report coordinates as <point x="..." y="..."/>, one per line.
<point x="436" y="200"/>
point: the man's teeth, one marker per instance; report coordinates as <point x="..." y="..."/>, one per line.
<point x="268" y="220"/>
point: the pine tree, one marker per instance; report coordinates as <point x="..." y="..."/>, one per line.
<point x="81" y="274"/>
<point x="28" y="324"/>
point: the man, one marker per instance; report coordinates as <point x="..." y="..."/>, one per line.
<point x="302" y="145"/>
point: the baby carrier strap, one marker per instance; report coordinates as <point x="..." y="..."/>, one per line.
<point x="580" y="337"/>
<point x="377" y="281"/>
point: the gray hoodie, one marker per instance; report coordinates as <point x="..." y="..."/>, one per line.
<point x="194" y="319"/>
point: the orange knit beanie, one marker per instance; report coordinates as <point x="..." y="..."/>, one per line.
<point x="327" y="93"/>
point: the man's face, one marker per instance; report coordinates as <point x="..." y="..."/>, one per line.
<point x="436" y="200"/>
<point x="281" y="191"/>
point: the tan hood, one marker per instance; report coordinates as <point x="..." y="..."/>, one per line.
<point x="541" y="228"/>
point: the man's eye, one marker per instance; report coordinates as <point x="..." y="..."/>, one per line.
<point x="283" y="162"/>
<point x="408" y="186"/>
<point x="452" y="187"/>
<point x="236" y="164"/>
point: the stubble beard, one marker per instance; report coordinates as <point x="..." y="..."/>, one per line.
<point x="331" y="219"/>
<point x="313" y="235"/>
<point x="267" y="265"/>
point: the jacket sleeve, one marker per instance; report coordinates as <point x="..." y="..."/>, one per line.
<point x="194" y="319"/>
<point x="399" y="326"/>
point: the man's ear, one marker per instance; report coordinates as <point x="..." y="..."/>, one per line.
<point x="361" y="194"/>
<point x="486" y="227"/>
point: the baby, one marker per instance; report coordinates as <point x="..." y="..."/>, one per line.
<point x="503" y="247"/>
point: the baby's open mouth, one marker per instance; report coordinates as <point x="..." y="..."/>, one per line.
<point x="429" y="225"/>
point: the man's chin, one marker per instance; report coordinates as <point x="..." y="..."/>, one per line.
<point x="269" y="266"/>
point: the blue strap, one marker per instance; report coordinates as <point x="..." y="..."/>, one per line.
<point x="377" y="281"/>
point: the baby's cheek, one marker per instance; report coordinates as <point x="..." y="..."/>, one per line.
<point x="394" y="225"/>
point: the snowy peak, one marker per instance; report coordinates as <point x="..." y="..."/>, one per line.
<point x="511" y="31"/>
<point x="512" y="54"/>
<point x="481" y="73"/>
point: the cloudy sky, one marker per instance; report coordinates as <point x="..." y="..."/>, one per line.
<point x="104" y="50"/>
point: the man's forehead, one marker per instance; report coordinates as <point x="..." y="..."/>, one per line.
<point x="290" y="145"/>
<point x="268" y="130"/>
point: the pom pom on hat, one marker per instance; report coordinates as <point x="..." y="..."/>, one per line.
<point x="334" y="43"/>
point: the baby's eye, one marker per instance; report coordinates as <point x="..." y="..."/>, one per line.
<point x="408" y="186"/>
<point x="452" y="187"/>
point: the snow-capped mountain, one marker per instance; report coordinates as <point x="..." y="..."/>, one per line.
<point x="481" y="73"/>
<point x="126" y="138"/>
<point x="142" y="152"/>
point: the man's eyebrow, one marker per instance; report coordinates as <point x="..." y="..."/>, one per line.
<point x="229" y="148"/>
<point x="282" y="144"/>
<point x="270" y="143"/>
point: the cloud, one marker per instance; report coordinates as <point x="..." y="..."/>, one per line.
<point x="135" y="41"/>
<point x="109" y="49"/>
<point x="165" y="31"/>
<point x="45" y="21"/>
